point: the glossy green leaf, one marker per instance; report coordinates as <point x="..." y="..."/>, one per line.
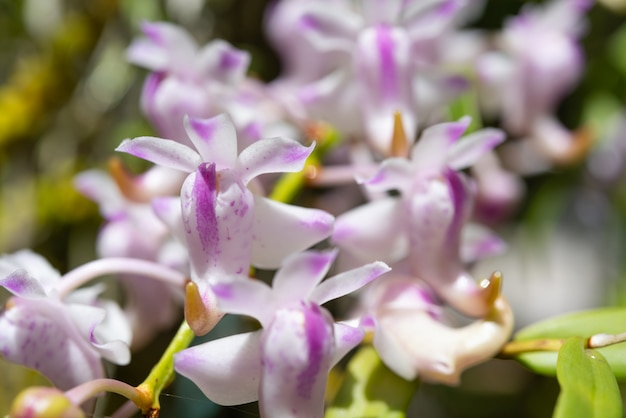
<point x="588" y="387"/>
<point x="371" y="390"/>
<point x="580" y="324"/>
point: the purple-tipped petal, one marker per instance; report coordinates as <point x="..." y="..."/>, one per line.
<point x="272" y="155"/>
<point x="227" y="370"/>
<point x="163" y="152"/>
<point x="215" y="139"/>
<point x="296" y="351"/>
<point x="305" y="227"/>
<point x="165" y="47"/>
<point x="431" y="151"/>
<point x="36" y="266"/>
<point x="385" y="237"/>
<point x="301" y="273"/>
<point x="22" y="284"/>
<point x="219" y="60"/>
<point x="469" y="149"/>
<point x="347" y="282"/>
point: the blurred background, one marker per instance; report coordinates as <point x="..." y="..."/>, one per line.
<point x="68" y="98"/>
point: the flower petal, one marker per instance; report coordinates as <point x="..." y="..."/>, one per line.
<point x="272" y="155"/>
<point x="300" y="273"/>
<point x="165" y="47"/>
<point x="296" y="352"/>
<point x="113" y="341"/>
<point x="38" y="334"/>
<point x="346" y="338"/>
<point x="385" y="237"/>
<point x="222" y="62"/>
<point x="249" y="297"/>
<point x="37" y="266"/>
<point x="215" y="139"/>
<point x="384" y="73"/>
<point x="306" y="227"/>
<point x="431" y="151"/>
<point x="227" y="370"/>
<point x="218" y="224"/>
<point x="22" y="284"/>
<point x="348" y="282"/>
<point x="393" y="174"/>
<point x="168" y="210"/>
<point x="469" y="149"/>
<point x="163" y="152"/>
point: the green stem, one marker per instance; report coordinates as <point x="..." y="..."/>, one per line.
<point x="163" y="372"/>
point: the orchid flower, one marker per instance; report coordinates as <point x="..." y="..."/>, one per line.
<point x="284" y="365"/>
<point x="414" y="339"/>
<point x="64" y="338"/>
<point x="426" y="222"/>
<point x="540" y="61"/>
<point x="372" y="56"/>
<point x="201" y="82"/>
<point x="225" y="226"/>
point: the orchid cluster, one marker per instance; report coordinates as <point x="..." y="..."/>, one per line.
<point x="364" y="105"/>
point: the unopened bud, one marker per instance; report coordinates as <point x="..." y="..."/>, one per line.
<point x="44" y="402"/>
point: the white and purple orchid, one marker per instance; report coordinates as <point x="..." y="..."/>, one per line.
<point x="201" y="82"/>
<point x="538" y="63"/>
<point x="65" y="337"/>
<point x="426" y="222"/>
<point x="415" y="339"/>
<point x="226" y="227"/>
<point x="284" y="365"/>
<point x="356" y="64"/>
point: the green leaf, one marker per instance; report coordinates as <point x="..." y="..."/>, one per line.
<point x="371" y="390"/>
<point x="580" y="324"/>
<point x="588" y="387"/>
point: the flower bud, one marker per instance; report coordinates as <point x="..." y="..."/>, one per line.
<point x="44" y="402"/>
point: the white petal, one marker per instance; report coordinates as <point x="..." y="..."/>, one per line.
<point x="249" y="297"/>
<point x="100" y="188"/>
<point x="348" y="282"/>
<point x="272" y="155"/>
<point x="302" y="228"/>
<point x="168" y="210"/>
<point x="346" y="338"/>
<point x="300" y="273"/>
<point x="478" y="241"/>
<point x="37" y="267"/>
<point x="88" y="318"/>
<point x="227" y="370"/>
<point x="430" y="153"/>
<point x="220" y="61"/>
<point x="166" y="47"/>
<point x="38" y="334"/>
<point x="393" y="174"/>
<point x="469" y="149"/>
<point x="296" y="353"/>
<point x="215" y="139"/>
<point x="163" y="152"/>
<point x="374" y="231"/>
